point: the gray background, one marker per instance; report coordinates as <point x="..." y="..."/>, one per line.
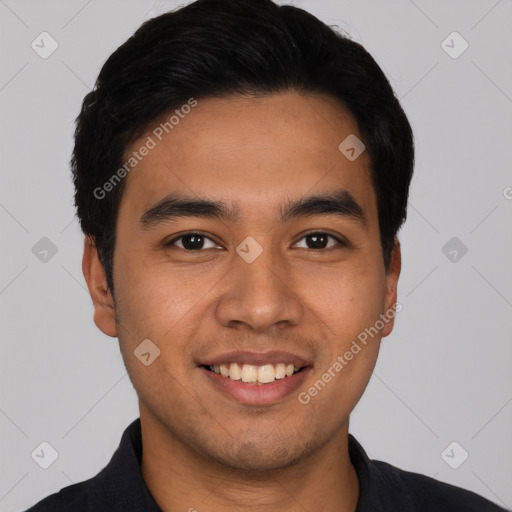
<point x="442" y="376"/>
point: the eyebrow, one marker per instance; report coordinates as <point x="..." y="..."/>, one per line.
<point x="338" y="202"/>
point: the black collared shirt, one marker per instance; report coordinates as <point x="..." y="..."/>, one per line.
<point x="119" y="487"/>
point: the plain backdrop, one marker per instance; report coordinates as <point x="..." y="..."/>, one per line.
<point x="443" y="376"/>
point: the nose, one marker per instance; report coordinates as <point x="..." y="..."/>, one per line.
<point x="260" y="295"/>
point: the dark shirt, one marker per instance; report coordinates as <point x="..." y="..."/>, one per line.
<point x="119" y="487"/>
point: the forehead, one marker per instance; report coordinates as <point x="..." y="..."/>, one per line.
<point x="250" y="152"/>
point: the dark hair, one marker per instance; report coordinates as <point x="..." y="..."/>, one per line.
<point x="214" y="48"/>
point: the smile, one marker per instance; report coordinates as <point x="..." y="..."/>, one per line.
<point x="256" y="378"/>
<point x="253" y="374"/>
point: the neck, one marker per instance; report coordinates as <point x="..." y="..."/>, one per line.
<point x="180" y="478"/>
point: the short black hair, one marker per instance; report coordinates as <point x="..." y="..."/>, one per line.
<point x="218" y="48"/>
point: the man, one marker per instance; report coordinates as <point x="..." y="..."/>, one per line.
<point x="241" y="174"/>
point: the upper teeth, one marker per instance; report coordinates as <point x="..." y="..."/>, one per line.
<point x="252" y="373"/>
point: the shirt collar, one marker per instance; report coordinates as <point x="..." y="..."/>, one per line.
<point x="380" y="488"/>
<point x="122" y="477"/>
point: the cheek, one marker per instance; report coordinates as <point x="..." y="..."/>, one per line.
<point x="153" y="303"/>
<point x="163" y="305"/>
<point x="155" y="299"/>
<point x="350" y="305"/>
<point x="350" y="298"/>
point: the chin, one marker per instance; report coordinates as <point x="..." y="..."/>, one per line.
<point x="258" y="455"/>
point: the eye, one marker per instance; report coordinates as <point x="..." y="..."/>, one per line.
<point x="197" y="242"/>
<point x="319" y="240"/>
<point x="192" y="242"/>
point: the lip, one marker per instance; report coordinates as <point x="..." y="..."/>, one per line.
<point x="257" y="358"/>
<point x="254" y="394"/>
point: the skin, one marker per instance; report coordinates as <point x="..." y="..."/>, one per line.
<point x="202" y="449"/>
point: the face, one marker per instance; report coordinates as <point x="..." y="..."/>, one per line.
<point x="247" y="239"/>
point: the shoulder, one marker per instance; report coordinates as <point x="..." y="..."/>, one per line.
<point x="118" y="487"/>
<point x="384" y="487"/>
<point x="427" y="494"/>
<point x="74" y="498"/>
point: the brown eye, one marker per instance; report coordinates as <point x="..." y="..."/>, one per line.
<point x="320" y="241"/>
<point x="192" y="242"/>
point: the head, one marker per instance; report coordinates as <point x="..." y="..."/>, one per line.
<point x="241" y="107"/>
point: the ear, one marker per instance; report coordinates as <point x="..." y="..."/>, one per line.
<point x="94" y="273"/>
<point x="390" y="298"/>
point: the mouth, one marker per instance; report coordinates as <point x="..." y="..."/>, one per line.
<point x="255" y="374"/>
<point x="256" y="379"/>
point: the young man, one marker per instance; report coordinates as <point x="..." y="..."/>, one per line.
<point x="241" y="174"/>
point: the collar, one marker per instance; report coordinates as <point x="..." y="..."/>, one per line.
<point x="122" y="477"/>
<point x="380" y="486"/>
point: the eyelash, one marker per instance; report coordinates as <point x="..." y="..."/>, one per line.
<point x="339" y="242"/>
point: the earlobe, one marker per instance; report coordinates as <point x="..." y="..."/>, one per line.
<point x="95" y="277"/>
<point x="391" y="287"/>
